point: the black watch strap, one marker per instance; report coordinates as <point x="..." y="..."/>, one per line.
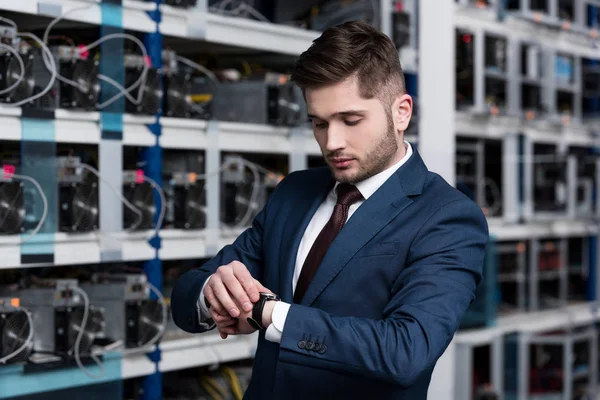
<point x="257" y="310"/>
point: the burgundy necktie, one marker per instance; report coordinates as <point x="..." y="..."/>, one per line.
<point x="347" y="195"/>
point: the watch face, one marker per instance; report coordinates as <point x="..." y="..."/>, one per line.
<point x="270" y="296"/>
<point x="254" y="324"/>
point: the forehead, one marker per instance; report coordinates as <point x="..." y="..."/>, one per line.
<point x="337" y="97"/>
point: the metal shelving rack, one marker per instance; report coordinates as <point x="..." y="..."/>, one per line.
<point x="535" y="238"/>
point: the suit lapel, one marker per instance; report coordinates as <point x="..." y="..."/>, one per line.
<point x="294" y="227"/>
<point x="372" y="216"/>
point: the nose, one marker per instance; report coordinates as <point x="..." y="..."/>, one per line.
<point x="335" y="138"/>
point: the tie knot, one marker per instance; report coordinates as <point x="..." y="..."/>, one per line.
<point x="348" y="194"/>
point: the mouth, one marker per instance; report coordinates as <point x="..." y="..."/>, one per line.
<point x="340" y="162"/>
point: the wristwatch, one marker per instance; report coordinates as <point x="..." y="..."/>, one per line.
<point x="255" y="320"/>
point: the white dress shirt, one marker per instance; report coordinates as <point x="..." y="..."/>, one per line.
<point x="366" y="187"/>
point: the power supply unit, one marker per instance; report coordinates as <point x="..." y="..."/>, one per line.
<point x="15" y="331"/>
<point x="268" y="99"/>
<point x="12" y="206"/>
<point x="177" y="88"/>
<point x="76" y="66"/>
<point x="131" y="316"/>
<point x="186" y="201"/>
<point x="57" y="310"/>
<point x="11" y="69"/>
<point x="78" y="197"/>
<point x="141" y="194"/>
<point x="150" y="88"/>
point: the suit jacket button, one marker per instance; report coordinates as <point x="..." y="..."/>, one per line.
<point x="302" y="344"/>
<point x="317" y="348"/>
<point x="322" y="349"/>
<point x="310" y="345"/>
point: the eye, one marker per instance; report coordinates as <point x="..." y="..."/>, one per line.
<point x="318" y="124"/>
<point x="352" y="123"/>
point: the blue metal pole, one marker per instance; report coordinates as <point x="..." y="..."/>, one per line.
<point x="152" y="385"/>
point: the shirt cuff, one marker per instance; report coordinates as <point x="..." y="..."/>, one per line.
<point x="204" y="319"/>
<point x="275" y="330"/>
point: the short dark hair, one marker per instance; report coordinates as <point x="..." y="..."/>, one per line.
<point x="350" y="49"/>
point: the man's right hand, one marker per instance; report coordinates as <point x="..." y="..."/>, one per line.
<point x="232" y="287"/>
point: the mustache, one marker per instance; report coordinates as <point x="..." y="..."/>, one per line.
<point x="338" y="155"/>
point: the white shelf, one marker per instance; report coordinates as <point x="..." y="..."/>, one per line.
<point x="77" y="127"/>
<point x="136" y="131"/>
<point x="136" y="365"/>
<point x="258" y="35"/>
<point x="557" y="228"/>
<point x="468" y="125"/>
<point x="179" y="244"/>
<point x="10" y="121"/>
<point x="532" y="322"/>
<point x="135" y="16"/>
<point x="237" y="136"/>
<point x="234" y="31"/>
<point x="205" y="349"/>
<point x="183" y="133"/>
<point x="82" y="248"/>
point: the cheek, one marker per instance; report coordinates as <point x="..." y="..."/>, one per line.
<point x="320" y="137"/>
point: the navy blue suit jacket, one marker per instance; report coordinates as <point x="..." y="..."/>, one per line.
<point x="385" y="301"/>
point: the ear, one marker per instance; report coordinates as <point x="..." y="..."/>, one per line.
<point x="402" y="111"/>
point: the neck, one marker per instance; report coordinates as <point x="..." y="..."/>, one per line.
<point x="399" y="154"/>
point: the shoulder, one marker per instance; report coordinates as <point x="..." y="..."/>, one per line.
<point x="439" y="198"/>
<point x="306" y="178"/>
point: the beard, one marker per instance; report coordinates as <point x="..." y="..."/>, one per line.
<point x="375" y="160"/>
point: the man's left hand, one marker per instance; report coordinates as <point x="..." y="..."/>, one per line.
<point x="227" y="325"/>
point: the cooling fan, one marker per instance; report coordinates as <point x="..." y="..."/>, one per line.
<point x="177" y="95"/>
<point x="151" y="92"/>
<point x="78" y="202"/>
<point x="10" y="69"/>
<point x="79" y="207"/>
<point x="67" y="326"/>
<point x="85" y="73"/>
<point x="93" y="328"/>
<point x="289" y="106"/>
<point x="141" y="195"/>
<point x="12" y="208"/>
<point x="14" y="331"/>
<point x="190" y="201"/>
<point x="144" y="322"/>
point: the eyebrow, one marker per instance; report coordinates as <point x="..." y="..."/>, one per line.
<point x="342" y="113"/>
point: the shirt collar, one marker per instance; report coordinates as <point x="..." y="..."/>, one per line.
<point x="370" y="185"/>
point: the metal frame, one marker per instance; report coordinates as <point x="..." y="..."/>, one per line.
<point x="464" y="374"/>
<point x="536" y="277"/>
<point x="567" y="340"/>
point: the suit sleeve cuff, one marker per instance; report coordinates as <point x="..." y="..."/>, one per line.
<point x="275" y="330"/>
<point x="204" y="318"/>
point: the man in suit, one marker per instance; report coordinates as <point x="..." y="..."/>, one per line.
<point x="372" y="260"/>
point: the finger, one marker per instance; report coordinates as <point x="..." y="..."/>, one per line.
<point x="260" y="287"/>
<point x="231" y="282"/>
<point x="215" y="305"/>
<point x="230" y="330"/>
<point x="222" y="296"/>
<point x="219" y="318"/>
<point x="223" y="335"/>
<point x="226" y="324"/>
<point x="247" y="281"/>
